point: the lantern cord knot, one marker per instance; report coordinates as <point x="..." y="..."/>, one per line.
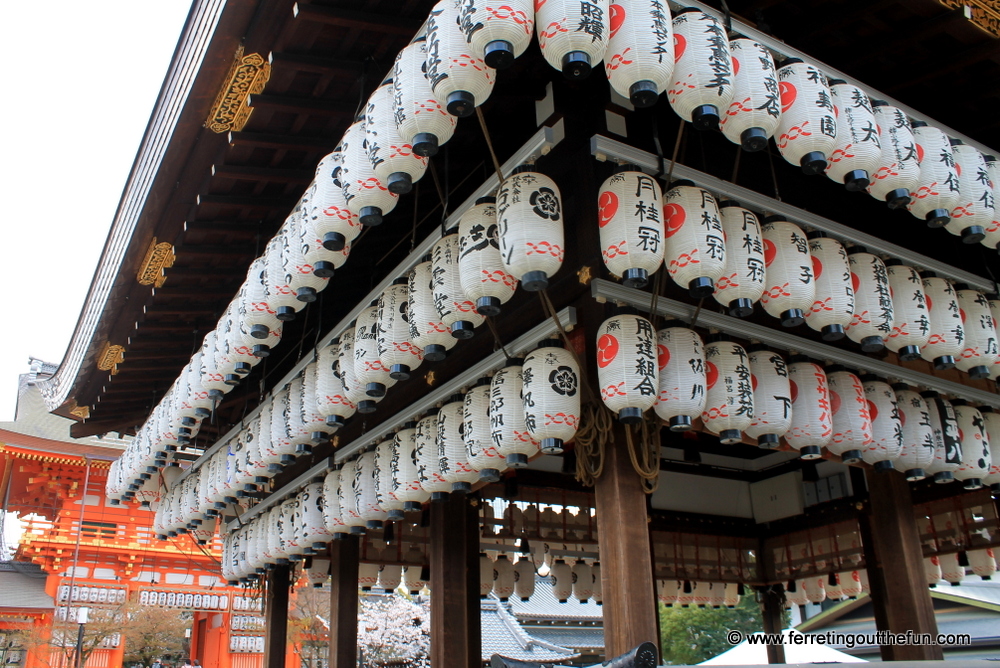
<point x="591" y="439"/>
<point x="645" y="455"/>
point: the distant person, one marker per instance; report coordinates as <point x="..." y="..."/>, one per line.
<point x="156" y="664"/>
<point x="187" y="664"/>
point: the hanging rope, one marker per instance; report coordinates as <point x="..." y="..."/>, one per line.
<point x="496" y="337"/>
<point x="489" y="145"/>
<point x="645" y="455"/>
<point x="774" y="174"/>
<point x="592" y="439"/>
<point x="677" y="148"/>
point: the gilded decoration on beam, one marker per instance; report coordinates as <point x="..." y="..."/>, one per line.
<point x="111" y="356"/>
<point x="246" y="77"/>
<point x="984" y="13"/>
<point x="159" y="256"/>
<point x="82" y="412"/>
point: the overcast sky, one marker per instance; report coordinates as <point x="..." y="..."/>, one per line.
<point x="80" y="81"/>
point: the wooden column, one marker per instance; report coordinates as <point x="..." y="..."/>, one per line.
<point x="626" y="568"/>
<point x="455" y="610"/>
<point x="895" y="563"/>
<point x="276" y="617"/>
<point x="772" y="608"/>
<point x="344" y="602"/>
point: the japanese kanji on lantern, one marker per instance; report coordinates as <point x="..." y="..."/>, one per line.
<point x="212" y="377"/>
<point x="394" y="162"/>
<point x="630" y="216"/>
<point x="354" y="392"/>
<point x="573" y="34"/>
<point x="396" y="351"/>
<point x="350" y="482"/>
<point x="753" y="116"/>
<point x="680" y="356"/>
<point x="887" y="429"/>
<point x="729" y="390"/>
<point x="937" y="190"/>
<point x="992" y="421"/>
<point x="480" y="267"/>
<point x="694" y="243"/>
<point x="947" y="334"/>
<point x="947" y="440"/>
<point x="772" y="399"/>
<point x="429" y="454"/>
<point x="627" y="366"/>
<point x="498" y="34"/>
<point x="302" y="245"/>
<point x="640" y="57"/>
<point x="366" y="196"/>
<point x="873" y="310"/>
<point x="458" y="470"/>
<point x="910" y="322"/>
<point x="507" y="429"/>
<point x="551" y="395"/>
<point x="331" y="397"/>
<point x="991" y="238"/>
<point x="281" y="299"/>
<point x="483" y="455"/>
<point x="369" y="372"/>
<point x="917" y="450"/>
<point x="304" y="425"/>
<point x="312" y="532"/>
<point x="702" y="83"/>
<point x="407" y="474"/>
<point x="332" y="515"/>
<point x="833" y="308"/>
<point x="530" y="225"/>
<point x="459" y="78"/>
<point x="851" y="421"/>
<point x="334" y="223"/>
<point x="976" y="455"/>
<point x="427" y="332"/>
<point x="368" y="497"/>
<point x="420" y="119"/>
<point x="324" y="248"/>
<point x="975" y="209"/>
<point x="456" y="310"/>
<point x="812" y="419"/>
<point x="994" y="301"/>
<point x="789" y="288"/>
<point x="858" y="151"/>
<point x="979" y="350"/>
<point x="387" y="459"/>
<point x="898" y="173"/>
<point x="257" y="318"/>
<point x="742" y="280"/>
<point x="807" y="128"/>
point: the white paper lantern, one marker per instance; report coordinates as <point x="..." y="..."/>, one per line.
<point x="406" y="477"/>
<point x="420" y="119"/>
<point x="640" y="53"/>
<point x="257" y="317"/>
<point x="795" y="593"/>
<point x="393" y="159"/>
<point x="951" y="569"/>
<point x="551" y="395"/>
<point x="979" y="351"/>
<point x="498" y="34"/>
<point x="530" y="226"/>
<point x="366" y="196"/>
<point x="732" y="595"/>
<point x="681" y="361"/>
<point x="483" y="454"/>
<point x="887" y="429"/>
<point x="304" y="428"/>
<point x="992" y="229"/>
<point x="313" y="534"/>
<point x="281" y="297"/>
<point x="367" y="575"/>
<point x="389" y="577"/>
<point x="852" y="426"/>
<point x="332" y="512"/>
<point x="755" y="111"/>
<point x="898" y="173"/>
<point x="333" y="223"/>
<point x="790" y="288"/>
<point x="742" y="280"/>
<point x="331" y="396"/>
<point x="994" y="302"/>
<point x="503" y="578"/>
<point x="812" y="420"/>
<point x="911" y="321"/>
<point x="947" y="334"/>
<point x="729" y="390"/>
<point x="917" y="451"/>
<point x="510" y="436"/>
<point x="772" y="399"/>
<point x="873" y="312"/>
<point x="524" y="579"/>
<point x="429" y="453"/>
<point x="480" y="266"/>
<point x="387" y="458"/>
<point x="427" y="332"/>
<point x="947" y="440"/>
<point x="485" y="575"/>
<point x="976" y="454"/>
<point x="833" y="308"/>
<point x="573" y="35"/>
<point x="459" y="78"/>
<point x="932" y="570"/>
<point x="456" y="310"/>
<point x="562" y="580"/>
<point x="455" y="462"/>
<point x="815" y="588"/>
<point x="702" y="87"/>
<point x="975" y="210"/>
<point x="583" y="581"/>
<point x="396" y="351"/>
<point x="370" y="505"/>
<point x="992" y="420"/>
<point x="349" y="479"/>
<point x="630" y="216"/>
<point x="355" y="392"/>
<point x="694" y="242"/>
<point x="807" y="129"/>
<point x="858" y="152"/>
<point x="627" y="366"/>
<point x="303" y="248"/>
<point x="937" y="190"/>
<point x="212" y="377"/>
<point x="983" y="562"/>
<point x="833" y="587"/>
<point x="283" y="423"/>
<point x="598" y="594"/>
<point x="368" y="368"/>
<point x="412" y="580"/>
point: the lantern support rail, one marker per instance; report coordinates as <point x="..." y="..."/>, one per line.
<point x="527" y="341"/>
<point x="543" y="141"/>
<point x="606" y="290"/>
<point x="604" y="148"/>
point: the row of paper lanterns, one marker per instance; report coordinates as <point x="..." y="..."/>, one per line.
<point x="983" y="562"/>
<point x="833" y="587"/>
<point x="701" y="594"/>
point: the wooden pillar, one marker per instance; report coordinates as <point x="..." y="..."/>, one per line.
<point x="276" y="617"/>
<point x="628" y="587"/>
<point x="772" y="608"/>
<point x="895" y="563"/>
<point x="344" y="602"/>
<point x="455" y="609"/>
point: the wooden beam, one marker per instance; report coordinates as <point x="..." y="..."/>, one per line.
<point x="315" y="64"/>
<point x="200" y="292"/>
<point x="214" y="273"/>
<point x="454" y="556"/>
<point x="276" y="617"/>
<point x="251" y="173"/>
<point x="772" y="610"/>
<point x="380" y="23"/>
<point x="282" y="142"/>
<point x="344" y="602"/>
<point x="123" y="422"/>
<point x="302" y="105"/>
<point x="248" y="201"/>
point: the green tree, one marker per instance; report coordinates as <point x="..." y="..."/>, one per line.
<point x="692" y="635"/>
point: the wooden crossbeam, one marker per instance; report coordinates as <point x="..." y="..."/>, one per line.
<point x="302" y="105"/>
<point x="251" y="173"/>
<point x="285" y="142"/>
<point x="316" y="64"/>
<point x="248" y="201"/>
<point x="381" y="23"/>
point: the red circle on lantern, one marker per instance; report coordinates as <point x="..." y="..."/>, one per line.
<point x="961" y="436"/>
<point x="711" y="374"/>
<point x="961" y="312"/>
<point x="872" y="411"/>
<point x="920" y="153"/>
<point x="617" y="18"/>
<point x="736" y="67"/>
<point x="788" y="94"/>
<point x="902" y="418"/>
<point x="836" y="111"/>
<point x="855" y="281"/>
<point x="834" y="402"/>
<point x="662" y="356"/>
<point x="958" y="169"/>
<point x="753" y="382"/>
<point x="927" y="298"/>
<point x="607" y="350"/>
<point x="673" y="218"/>
<point x="769" y="252"/>
<point x="817" y="267"/>
<point x="679" y="45"/>
<point x="607" y="206"/>
<point x="793" y="389"/>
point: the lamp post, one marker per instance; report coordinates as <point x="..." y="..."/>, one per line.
<point x="82" y="614"/>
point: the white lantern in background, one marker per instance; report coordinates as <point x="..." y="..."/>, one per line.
<point x="393" y="160"/>
<point x="917" y="451"/>
<point x="510" y="435"/>
<point x="428" y="453"/>
<point x="313" y="531"/>
<point x="992" y="230"/>
<point x="457" y="312"/>
<point x="551" y="395"/>
<point x="396" y="352"/>
<point x="947" y="334"/>
<point x="389" y="577"/>
<point x="732" y="594"/>
<point x="976" y="455"/>
<point x="983" y="562"/>
<point x="742" y="280"/>
<point x="323" y="246"/>
<point x="932" y="570"/>
<point x="459" y="78"/>
<point x="583" y="581"/>
<point x="530" y="226"/>
<point x="303" y="248"/>
<point x="480" y="266"/>
<point x="992" y="420"/>
<point x="911" y="321"/>
<point x="947" y="440"/>
<point x="887" y="429"/>
<point x="334" y="224"/>
<point x="387" y="458"/>
<point x="937" y="189"/>
<point x="483" y="454"/>
<point x="503" y="581"/>
<point x="833" y="587"/>
<point x="812" y="421"/>
<point x="485" y="575"/>
<point x="562" y="580"/>
<point x="640" y="54"/>
<point x="281" y="298"/>
<point x="755" y="111"/>
<point x="729" y="390"/>
<point x="212" y="378"/>
<point x="873" y="312"/>
<point x="627" y="366"/>
<point x="331" y="396"/>
<point x="407" y="484"/>
<point x="427" y="331"/>
<point x="702" y="87"/>
<point x="630" y="216"/>
<point x="975" y="210"/>
<point x="366" y="196"/>
<point x="573" y="35"/>
<point x="772" y="397"/>
<point x="257" y="317"/>
<point x="420" y="119"/>
<point x="979" y="351"/>
<point x="412" y="579"/>
<point x="369" y="372"/>
<point x="807" y="129"/>
<point x="858" y="152"/>
<point x="367" y="575"/>
<point x="815" y="588"/>
<point x="524" y="579"/>
<point x="833" y="307"/>
<point x="497" y="34"/>
<point x="346" y="498"/>
<point x="332" y="513"/>
<point x="951" y="569"/>
<point x="454" y="458"/>
<point x="790" y="288"/>
<point x="852" y="424"/>
<point x="370" y="506"/>
<point x="898" y="173"/>
<point x="681" y="360"/>
<point x="694" y="243"/>
<point x="796" y="593"/>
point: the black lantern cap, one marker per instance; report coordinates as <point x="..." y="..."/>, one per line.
<point x="705" y="117"/>
<point x="533" y="281"/>
<point x="399" y="372"/>
<point x="680" y="423"/>
<point x="741" y="308"/>
<point x="813" y="162"/>
<point x="898" y="198"/>
<point x="973" y="234"/>
<point x="551" y="446"/>
<point x="768" y="441"/>
<point x="435" y="352"/>
<point x="285" y="313"/>
<point x="576" y="65"/>
<point x="499" y="54"/>
<point x="488" y="306"/>
<point x="635" y="278"/>
<point x="461" y="103"/>
<point x="425" y="144"/>
<point x="856" y="180"/>
<point x="370" y="216"/>
<point x="400" y="183"/>
<point x="883" y="466"/>
<point x="753" y="140"/>
<point x="643" y="94"/>
<point x="937" y="218"/>
<point x="334" y="241"/>
<point x="463" y="329"/>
